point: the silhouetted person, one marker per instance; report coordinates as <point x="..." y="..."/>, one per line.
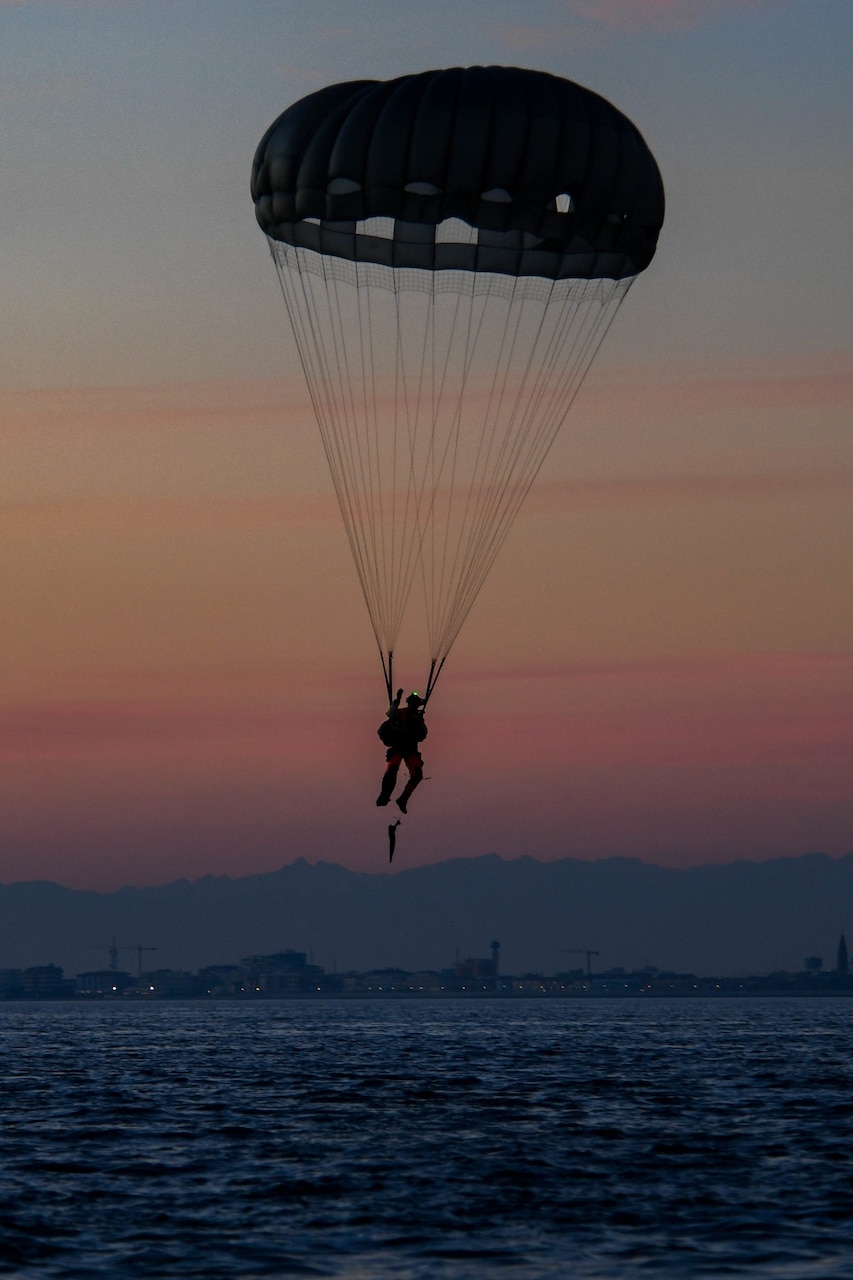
<point x="402" y="733"/>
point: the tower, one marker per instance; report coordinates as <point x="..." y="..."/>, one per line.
<point x="842" y="967"/>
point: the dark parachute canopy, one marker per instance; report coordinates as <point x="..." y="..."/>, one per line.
<point x="452" y="247"/>
<point x="556" y="180"/>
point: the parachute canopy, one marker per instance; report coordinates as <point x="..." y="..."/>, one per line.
<point x="452" y="247"/>
<point x="555" y="180"/>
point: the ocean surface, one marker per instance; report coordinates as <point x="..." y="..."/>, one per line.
<point x="457" y="1139"/>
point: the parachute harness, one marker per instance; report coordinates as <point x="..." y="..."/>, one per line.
<point x="438" y="395"/>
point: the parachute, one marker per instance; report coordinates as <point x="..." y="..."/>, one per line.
<point x="452" y="247"/>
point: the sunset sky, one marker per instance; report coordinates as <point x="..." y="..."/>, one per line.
<point x="661" y="663"/>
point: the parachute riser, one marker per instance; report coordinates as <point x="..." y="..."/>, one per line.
<point x="432" y="679"/>
<point x="387" y="659"/>
<point x="388" y="672"/>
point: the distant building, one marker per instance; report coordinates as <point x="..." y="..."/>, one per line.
<point x="386" y="980"/>
<point x="842" y="967"/>
<point x="46" y="982"/>
<point x="278" y="974"/>
<point x="473" y="974"/>
<point x="427" y="980"/>
<point x="102" y="982"/>
<point x="169" y="984"/>
<point x="220" y="979"/>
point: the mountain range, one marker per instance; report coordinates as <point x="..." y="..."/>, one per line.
<point x="728" y="919"/>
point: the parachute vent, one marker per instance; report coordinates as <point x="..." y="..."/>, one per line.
<point x="383" y="227"/>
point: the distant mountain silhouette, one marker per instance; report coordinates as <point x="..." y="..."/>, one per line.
<point x="734" y="918"/>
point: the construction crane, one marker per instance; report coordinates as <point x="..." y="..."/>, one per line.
<point x="580" y="951"/>
<point x="113" y="949"/>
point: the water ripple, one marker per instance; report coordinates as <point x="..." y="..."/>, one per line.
<point x="431" y="1139"/>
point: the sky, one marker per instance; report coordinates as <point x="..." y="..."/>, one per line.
<point x="661" y="663"/>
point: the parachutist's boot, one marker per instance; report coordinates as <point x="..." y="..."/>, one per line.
<point x="406" y="794"/>
<point x="387" y="790"/>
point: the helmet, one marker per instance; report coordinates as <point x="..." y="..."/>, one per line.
<point x="414" y="699"/>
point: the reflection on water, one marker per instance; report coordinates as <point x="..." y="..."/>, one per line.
<point x="427" y="1139"/>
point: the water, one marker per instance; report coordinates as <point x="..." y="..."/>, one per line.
<point x="455" y="1140"/>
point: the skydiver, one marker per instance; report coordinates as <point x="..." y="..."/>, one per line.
<point x="402" y="732"/>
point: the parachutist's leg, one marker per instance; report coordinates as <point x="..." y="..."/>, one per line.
<point x="390" y="777"/>
<point x="415" y="765"/>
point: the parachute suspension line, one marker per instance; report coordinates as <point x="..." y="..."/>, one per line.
<point x="347" y="461"/>
<point x="567" y="390"/>
<point x="437" y="395"/>
<point x="405" y="528"/>
<point x="419" y="371"/>
<point x="471" y="337"/>
<point x="311" y="349"/>
<point x="582" y="347"/>
<point x="482" y="491"/>
<point x="492" y="531"/>
<point x="356" y="443"/>
<point x="380" y="599"/>
<point x="428" y="513"/>
<point x="392" y="578"/>
<point x="526" y="479"/>
<point x="418" y="376"/>
<point x="397" y="418"/>
<point x="312" y="340"/>
<point x="442" y="575"/>
<point x="507" y="468"/>
<point x="383" y="562"/>
<point x="356" y="380"/>
<point x="484" y="494"/>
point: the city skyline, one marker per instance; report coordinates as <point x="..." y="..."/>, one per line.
<point x="660" y="664"/>
<point x="729" y="919"/>
<point x="289" y="974"/>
